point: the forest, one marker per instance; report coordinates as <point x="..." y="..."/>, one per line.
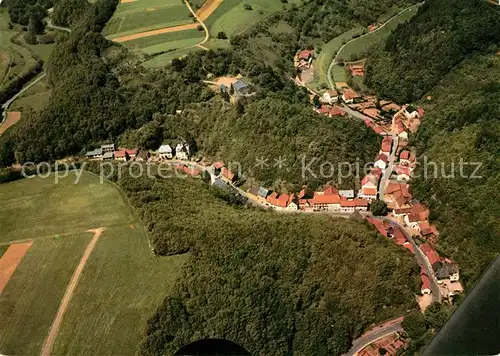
<point x="419" y="53"/>
<point x="270" y="282"/>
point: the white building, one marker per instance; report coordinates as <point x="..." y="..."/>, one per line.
<point x="182" y="151"/>
<point x="165" y="152"/>
<point x="381" y="161"/>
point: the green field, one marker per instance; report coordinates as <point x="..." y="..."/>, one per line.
<point x="42" y="208"/>
<point x="325" y="57"/>
<point x="166" y="58"/>
<point x="231" y="18"/>
<point x="167" y="41"/>
<point x="339" y="73"/>
<point x="32" y="296"/>
<point x="358" y="48"/>
<point x="35" y="98"/>
<point x="119" y="288"/>
<point x="144" y="15"/>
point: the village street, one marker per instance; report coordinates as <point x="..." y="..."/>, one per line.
<point x="390" y="166"/>
<point x="365" y="340"/>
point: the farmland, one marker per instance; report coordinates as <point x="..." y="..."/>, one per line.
<point x="145" y="15"/>
<point x="232" y="18"/>
<point x="119" y="288"/>
<point x="167" y="42"/>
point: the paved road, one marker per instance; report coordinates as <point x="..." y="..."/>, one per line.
<point x="364" y="341"/>
<point x="335" y="61"/>
<point x="422" y="261"/>
<point x="6" y="105"/>
<point x="390" y="167"/>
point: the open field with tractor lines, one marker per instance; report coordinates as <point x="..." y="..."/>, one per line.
<point x="118" y="285"/>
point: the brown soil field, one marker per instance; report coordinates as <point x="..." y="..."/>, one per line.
<point x="125" y="1"/>
<point x="10" y="260"/>
<point x="155" y="32"/>
<point x="207" y="8"/>
<point x="12" y="118"/>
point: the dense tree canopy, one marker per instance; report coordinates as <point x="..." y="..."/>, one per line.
<point x="418" y="53"/>
<point x="271" y="283"/>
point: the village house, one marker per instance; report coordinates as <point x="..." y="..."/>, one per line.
<point x="349" y="95"/>
<point x="241" y="88"/>
<point x="227" y="176"/>
<point x="125" y="154"/>
<point x="386" y="145"/>
<point x="330" y="97"/>
<point x="390" y="106"/>
<point x="368" y="187"/>
<point x="446" y="269"/>
<point x="303" y="59"/>
<point x="357" y="70"/>
<point x="353" y="205"/>
<point x="326" y="200"/>
<point x="104" y="152"/>
<point x="418" y="213"/>
<point x="404" y="157"/>
<point x="190" y="171"/>
<point x="165" y="152"/>
<point x="403" y="173"/>
<point x="430" y="254"/>
<point x="282" y="202"/>
<point x="330" y="111"/>
<point x="381" y="161"/>
<point x="182" y="151"/>
<point x="397" y="193"/>
<point x="428" y="232"/>
<point x="348" y="194"/>
<point x="426" y="282"/>
<point x="258" y="194"/>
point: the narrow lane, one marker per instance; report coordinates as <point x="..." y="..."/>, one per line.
<point x="364" y="341"/>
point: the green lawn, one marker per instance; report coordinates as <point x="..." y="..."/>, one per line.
<point x="167" y="41"/>
<point x="144" y="15"/>
<point x="31" y="298"/>
<point x="120" y="288"/>
<point x="35" y="98"/>
<point x="339" y="73"/>
<point x="325" y="57"/>
<point x="231" y="18"/>
<point x="358" y="48"/>
<point x="37" y="207"/>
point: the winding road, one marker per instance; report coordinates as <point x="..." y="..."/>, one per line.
<point x="6" y="105"/>
<point x="365" y="340"/>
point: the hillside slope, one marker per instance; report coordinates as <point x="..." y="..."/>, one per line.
<point x="419" y="53"/>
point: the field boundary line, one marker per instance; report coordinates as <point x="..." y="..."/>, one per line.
<point x="66" y="299"/>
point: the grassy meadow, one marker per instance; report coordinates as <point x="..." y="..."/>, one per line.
<point x="144" y="15"/>
<point x="167" y="41"/>
<point x="120" y="286"/>
<point x="37" y="207"/>
<point x="231" y="17"/>
<point x="35" y="98"/>
<point x="31" y="298"/>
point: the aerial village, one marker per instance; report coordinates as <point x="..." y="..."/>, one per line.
<point x="407" y="224"/>
<point x="388" y="179"/>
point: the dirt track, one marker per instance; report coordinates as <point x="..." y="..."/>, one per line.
<point x="155" y="32"/>
<point x="10" y="260"/>
<point x="207" y="8"/>
<point x="54" y="329"/>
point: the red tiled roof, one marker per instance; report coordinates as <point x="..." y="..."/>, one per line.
<point x="369" y="191"/>
<point x="377" y="172"/>
<point x="409" y="246"/>
<point x="336" y="111"/>
<point x="404" y="155"/>
<point x="325" y="199"/>
<point x="369" y="178"/>
<point x="328" y="190"/>
<point x="430" y="253"/>
<point x="122" y="152"/>
<point x="381" y="157"/>
<point x="227" y="173"/>
<point x="399" y="236"/>
<point x="386" y="144"/>
<point x="379" y="130"/>
<point x="421" y="112"/>
<point x="429" y="230"/>
<point x="305" y="54"/>
<point x="219" y="165"/>
<point x="302" y="193"/>
<point x="350" y="94"/>
<point x="426" y="282"/>
<point x="400" y="201"/>
<point x="392" y="188"/>
<point x="191" y="171"/>
<point x="403" y="170"/>
<point x="354" y="203"/>
<point x="379" y="225"/>
<point x="421" y="210"/>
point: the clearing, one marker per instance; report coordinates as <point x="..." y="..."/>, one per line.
<point x="11" y="119"/>
<point x="118" y="289"/>
<point x="232" y="18"/>
<point x="35" y="98"/>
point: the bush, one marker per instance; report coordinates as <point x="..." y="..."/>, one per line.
<point x="47" y="38"/>
<point x="247" y="7"/>
<point x="222" y="35"/>
<point x="30" y="38"/>
<point x="199" y="28"/>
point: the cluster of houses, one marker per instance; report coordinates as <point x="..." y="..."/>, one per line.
<point x="328" y="199"/>
<point x="357" y="69"/>
<point x="237" y="89"/>
<point x="180" y="152"/>
<point x="108" y="151"/>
